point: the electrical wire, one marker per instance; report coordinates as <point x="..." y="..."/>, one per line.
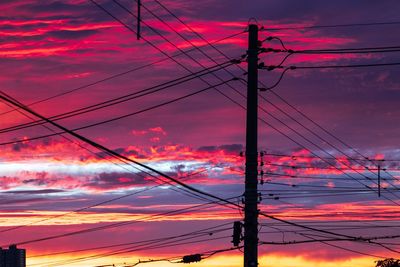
<point x="118" y="75"/>
<point x="207" y="230"/>
<point x="327" y="158"/>
<point x="345" y="66"/>
<point x="203" y="38"/>
<point x="81" y="209"/>
<point x="174" y="45"/>
<point x="314" y="167"/>
<point x="118" y="117"/>
<point x="318" y="177"/>
<point x="170" y="13"/>
<point x="175" y="240"/>
<point x="311" y="186"/>
<point x="334" y="26"/>
<point x="120" y="224"/>
<point x="91" y="206"/>
<point x="129" y="250"/>
<point x="393" y="201"/>
<point x="170" y="27"/>
<point x="389" y="199"/>
<point x="204" y="255"/>
<point x="121" y="99"/>
<point x="224" y="202"/>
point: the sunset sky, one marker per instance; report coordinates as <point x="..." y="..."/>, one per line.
<point x="317" y="130"/>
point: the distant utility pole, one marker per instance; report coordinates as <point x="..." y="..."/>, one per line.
<point x="379" y="179"/>
<point x="139" y="19"/>
<point x="251" y="179"/>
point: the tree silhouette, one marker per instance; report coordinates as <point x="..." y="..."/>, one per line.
<point x="388" y="263"/>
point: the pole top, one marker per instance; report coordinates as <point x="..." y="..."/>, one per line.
<point x="253" y="26"/>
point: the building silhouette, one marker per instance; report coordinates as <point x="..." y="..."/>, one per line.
<point x="12" y="257"/>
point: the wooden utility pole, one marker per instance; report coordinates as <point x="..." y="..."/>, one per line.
<point x="250" y="194"/>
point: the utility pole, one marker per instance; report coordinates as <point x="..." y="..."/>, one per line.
<point x="379" y="179"/>
<point x="250" y="194"/>
<point x="139" y="19"/>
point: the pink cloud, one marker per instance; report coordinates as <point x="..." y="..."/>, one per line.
<point x="158" y="130"/>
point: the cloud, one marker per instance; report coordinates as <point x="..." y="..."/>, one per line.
<point x="158" y="130"/>
<point x="51" y="47"/>
<point x="34" y="192"/>
<point x="69" y="34"/>
<point x="113" y="180"/>
<point x="232" y="148"/>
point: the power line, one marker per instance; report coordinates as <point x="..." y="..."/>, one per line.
<point x="281" y="76"/>
<point x="94" y="205"/>
<point x="123" y="223"/>
<point x="101" y="203"/>
<point x="334" y="26"/>
<point x="194" y="32"/>
<point x="333" y="220"/>
<point x="325" y="240"/>
<point x="314" y="167"/>
<point x="345" y="51"/>
<point x="364" y="168"/>
<point x="192" y="44"/>
<point x="288" y="222"/>
<point x="207" y="230"/>
<point x="119" y="74"/>
<point x="345" y="66"/>
<point x="199" y="35"/>
<point x="82" y="209"/>
<point x="350" y="178"/>
<point x="61" y="215"/>
<point x="323" y="129"/>
<point x="174" y="45"/>
<point x="246" y="223"/>
<point x="290" y="51"/>
<point x="180" y="239"/>
<point x="164" y="22"/>
<point x="327" y="158"/>
<point x="153" y="30"/>
<point x="330" y="227"/>
<point x="189" y="27"/>
<point x="314" y="195"/>
<point x="311" y="186"/>
<point x="354" y="50"/>
<point x="204" y="255"/>
<point x="285" y="69"/>
<point x="96" y="145"/>
<point x="128" y="250"/>
<point x="350" y="250"/>
<point x="319" y="147"/>
<point x="124" y="98"/>
<point x="90" y="206"/>
<point x="270" y="68"/>
<point x="292" y="139"/>
<point x="119" y="117"/>
<point x="117" y="19"/>
<point x="113" y="153"/>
